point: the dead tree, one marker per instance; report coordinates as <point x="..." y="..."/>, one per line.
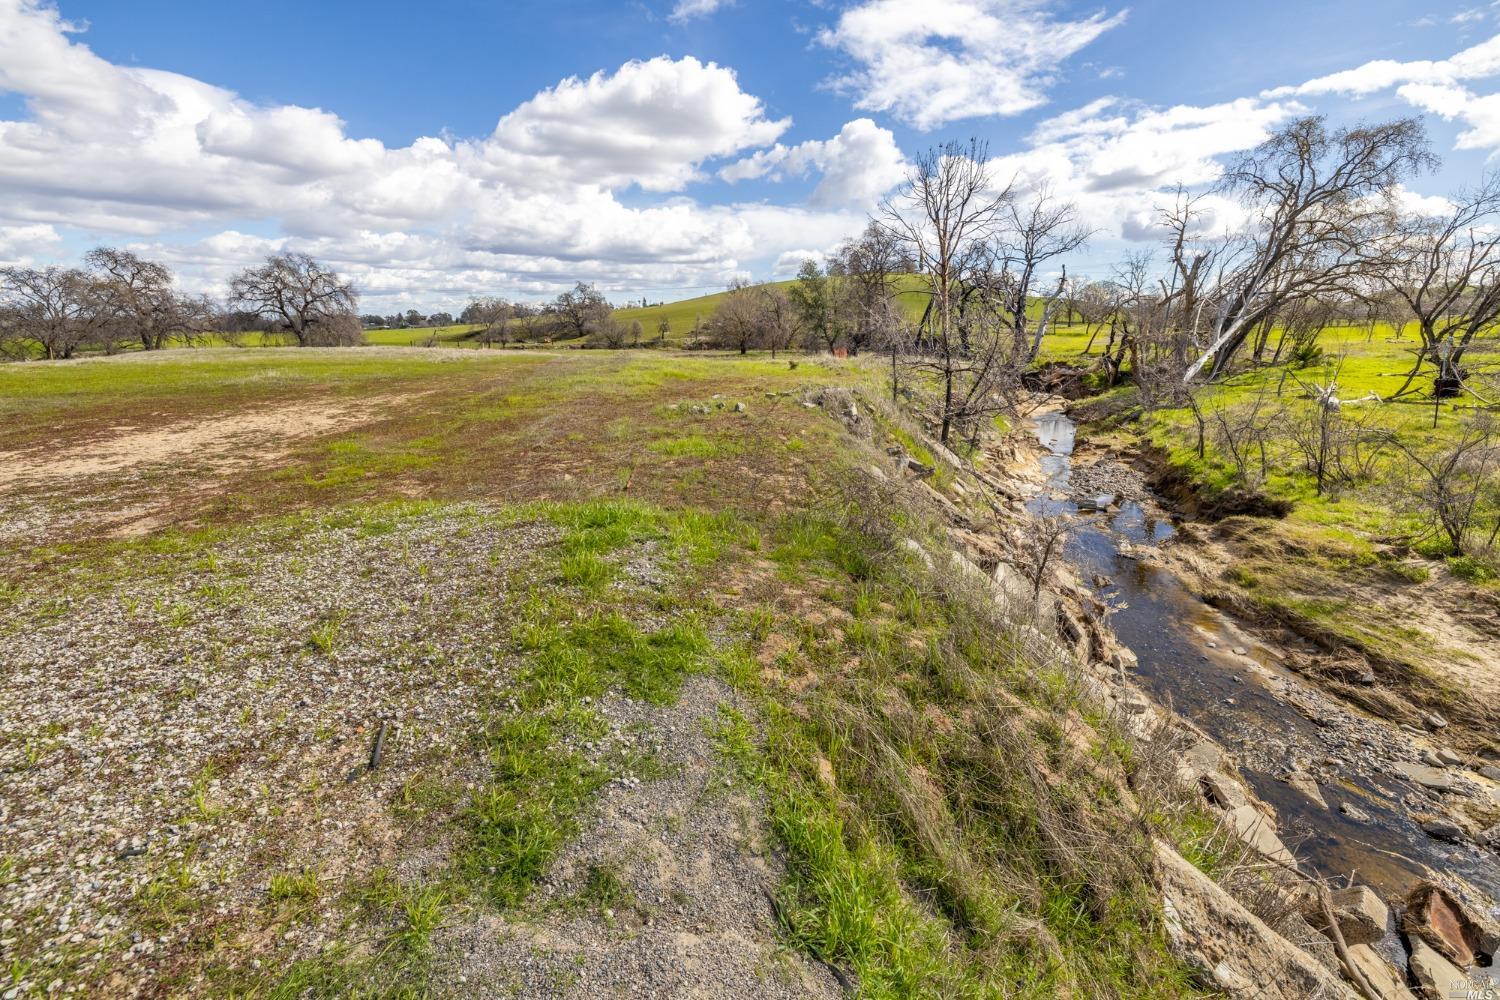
<point x="1445" y="269"/>
<point x="1319" y="205"/>
<point x="1456" y="486"/>
<point x="56" y="308"/>
<point x="1036" y="233"/>
<point x="137" y="296"/>
<point x="944" y="217"/>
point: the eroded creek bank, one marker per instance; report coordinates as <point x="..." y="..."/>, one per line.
<point x="1353" y="795"/>
<point x="1331" y="881"/>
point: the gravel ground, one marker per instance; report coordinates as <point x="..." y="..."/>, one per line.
<point x="177" y="728"/>
<point x="690" y="853"/>
<point x="1107" y="477"/>
<point x="168" y="743"/>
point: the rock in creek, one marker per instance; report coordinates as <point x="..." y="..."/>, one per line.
<point x="1259" y="833"/>
<point x="1433" y="778"/>
<point x="1444" y="829"/>
<point x="1362" y="915"/>
<point x="1436" y="976"/>
<point x="1435" y="916"/>
<point x="1307" y="785"/>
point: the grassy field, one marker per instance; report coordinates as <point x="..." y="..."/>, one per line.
<point x="607" y="617"/>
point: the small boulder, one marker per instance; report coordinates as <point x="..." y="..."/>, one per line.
<point x="1431" y="778"/>
<point x="1354" y="812"/>
<point x="1444" y="829"/>
<point x="1490" y="771"/>
<point x="1434" y="721"/>
<point x="1361" y="914"/>
<point x="1307" y="785"/>
<point x="1259" y="833"/>
<point x="1448" y="757"/>
<point x="1435" y="917"/>
<point x="1387" y="980"/>
<point x="1228" y="947"/>
<point x="1435" y="975"/>
<point x="919" y="469"/>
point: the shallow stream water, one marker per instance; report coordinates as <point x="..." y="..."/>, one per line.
<point x="1185" y="649"/>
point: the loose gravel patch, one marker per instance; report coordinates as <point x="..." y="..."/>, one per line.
<point x="170" y="742"/>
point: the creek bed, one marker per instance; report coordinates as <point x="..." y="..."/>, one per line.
<point x="1188" y="663"/>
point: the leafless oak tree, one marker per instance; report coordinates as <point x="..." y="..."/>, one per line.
<point x="55" y="307"/>
<point x="739" y="321"/>
<point x="1445" y="269"/>
<point x="1319" y="199"/>
<point x="139" y="300"/>
<point x="295" y="293"/>
<point x="945" y="216"/>
<point x="1038" y="231"/>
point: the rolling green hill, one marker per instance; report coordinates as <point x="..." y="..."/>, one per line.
<point x="683" y="314"/>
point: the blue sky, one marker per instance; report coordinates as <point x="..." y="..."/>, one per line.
<point x="743" y="136"/>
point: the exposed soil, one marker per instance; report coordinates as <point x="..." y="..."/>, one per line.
<point x="221" y="443"/>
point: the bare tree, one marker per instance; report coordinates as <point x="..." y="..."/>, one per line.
<point x="494" y="316"/>
<point x="1445" y="269"/>
<point x="56" y="308"/>
<point x="1096" y="304"/>
<point x="1037" y="232"/>
<point x="606" y="331"/>
<point x="1042" y="547"/>
<point x="1338" y="450"/>
<point x="1319" y="201"/>
<point x="1242" y="433"/>
<point x="868" y="264"/>
<point x="739" y="321"/>
<point x="138" y="297"/>
<point x="945" y="216"/>
<point x="1455" y="486"/>
<point x="295" y="293"/>
<point x="780" y="318"/>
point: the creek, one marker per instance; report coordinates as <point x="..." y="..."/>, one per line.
<point x="1198" y="662"/>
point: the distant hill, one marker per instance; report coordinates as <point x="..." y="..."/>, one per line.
<point x="682" y="314"/>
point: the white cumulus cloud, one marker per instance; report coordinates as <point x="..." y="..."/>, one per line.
<point x="938" y="61"/>
<point x="1436" y="86"/>
<point x="21" y="245"/>
<point x="858" y="165"/>
<point x="116" y="151"/>
<point x="1121" y="163"/>
<point x="686" y="10"/>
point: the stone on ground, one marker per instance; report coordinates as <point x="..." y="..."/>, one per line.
<point x="1231" y="948"/>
